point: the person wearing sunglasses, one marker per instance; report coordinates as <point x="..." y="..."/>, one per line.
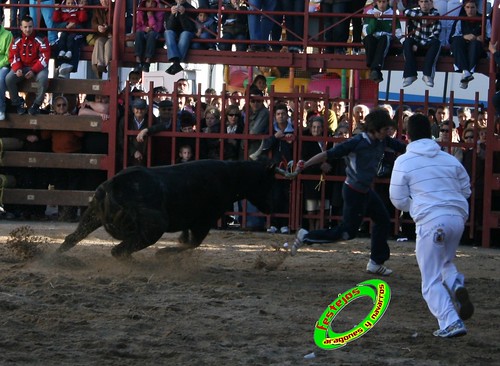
<point x="447" y="133"/>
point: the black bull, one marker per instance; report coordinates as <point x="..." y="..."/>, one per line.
<point x="139" y="204"/>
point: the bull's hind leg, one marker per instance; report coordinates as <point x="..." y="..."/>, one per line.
<point x="88" y="223"/>
<point x="189" y="239"/>
<point x="134" y="244"/>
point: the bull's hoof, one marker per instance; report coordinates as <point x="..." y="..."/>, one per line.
<point x="170" y="250"/>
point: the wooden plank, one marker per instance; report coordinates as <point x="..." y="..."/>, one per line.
<point x="46" y="197"/>
<point x="71" y="86"/>
<point x="51" y="122"/>
<point x="52" y="160"/>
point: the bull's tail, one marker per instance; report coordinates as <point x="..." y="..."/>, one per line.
<point x="89" y="222"/>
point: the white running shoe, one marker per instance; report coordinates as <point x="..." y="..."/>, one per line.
<point x="428" y="80"/>
<point x="61" y="54"/>
<point x="379" y="269"/>
<point x="298" y="242"/>
<point x="455" y="329"/>
<point x="68" y="55"/>
<point x="2" y="116"/>
<point x="285" y="230"/>
<point x="272" y="230"/>
<point x="408" y="81"/>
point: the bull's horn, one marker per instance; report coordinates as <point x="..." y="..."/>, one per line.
<point x="286" y="174"/>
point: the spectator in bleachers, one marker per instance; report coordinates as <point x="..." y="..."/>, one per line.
<point x="159" y="94"/>
<point x="340" y="110"/>
<point x="134" y="85"/>
<point x="260" y="26"/>
<point x="47" y="15"/>
<point x="210" y="147"/>
<point x="69" y="43"/>
<point x="467" y="41"/>
<point x="359" y="112"/>
<point x="205" y="29"/>
<point x="235" y="25"/>
<point x="101" y="54"/>
<point x="161" y="146"/>
<point x="294" y="24"/>
<point x="180" y="30"/>
<point x="431" y="114"/>
<point x="482" y="117"/>
<point x="5" y="41"/>
<point x="65" y="142"/>
<point x="137" y="120"/>
<point x="442" y="114"/>
<point x="449" y="8"/>
<point x="29" y="57"/>
<point x="185" y="154"/>
<point x="258" y="120"/>
<point x="422" y="38"/>
<point x="464" y="115"/>
<point x="447" y="129"/>
<point x="148" y="27"/>
<point x="312" y="188"/>
<point x="340" y="32"/>
<point x="280" y="145"/>
<point x="234" y="125"/>
<point x="378" y="30"/>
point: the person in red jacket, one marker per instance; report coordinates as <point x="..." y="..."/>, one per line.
<point x="69" y="18"/>
<point x="29" y="58"/>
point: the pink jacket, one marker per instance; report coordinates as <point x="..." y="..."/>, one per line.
<point x="155" y="21"/>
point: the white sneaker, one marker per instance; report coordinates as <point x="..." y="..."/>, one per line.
<point x="455" y="329"/>
<point x="2" y="116"/>
<point x="61" y="54"/>
<point x="429" y="81"/>
<point x="65" y="70"/>
<point x="285" y="230"/>
<point x="68" y="55"/>
<point x="379" y="269"/>
<point x="408" y="81"/>
<point x="298" y="242"/>
<point x="272" y="230"/>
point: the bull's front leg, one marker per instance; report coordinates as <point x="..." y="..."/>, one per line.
<point x="89" y="222"/>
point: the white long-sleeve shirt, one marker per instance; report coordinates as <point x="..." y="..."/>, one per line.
<point x="429" y="183"/>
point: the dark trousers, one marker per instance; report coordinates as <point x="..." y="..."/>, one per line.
<point x="376" y="48"/>
<point x="340" y="32"/>
<point x="431" y="51"/>
<point x="465" y="53"/>
<point x="145" y="44"/>
<point x="356" y="206"/>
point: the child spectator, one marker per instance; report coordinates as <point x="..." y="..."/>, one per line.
<point x="423" y="37"/>
<point x="467" y="42"/>
<point x="69" y="18"/>
<point x="205" y="29"/>
<point x="5" y="41"/>
<point x="148" y="27"/>
<point x="378" y="30"/>
<point x="135" y="86"/>
<point x="180" y="30"/>
<point x="234" y="25"/>
<point x="210" y="148"/>
<point x="29" y="56"/>
<point x="101" y="54"/>
<point x="185" y="154"/>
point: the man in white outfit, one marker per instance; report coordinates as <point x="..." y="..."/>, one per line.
<point x="434" y="186"/>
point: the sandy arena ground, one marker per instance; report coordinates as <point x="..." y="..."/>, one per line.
<point x="233" y="301"/>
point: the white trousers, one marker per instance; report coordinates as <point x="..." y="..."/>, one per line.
<point x="437" y="243"/>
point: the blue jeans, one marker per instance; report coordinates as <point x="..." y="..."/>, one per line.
<point x="178" y="47"/>
<point x="14" y="12"/>
<point x="11" y="81"/>
<point x="260" y="26"/>
<point x="3" y="88"/>
<point x="203" y="46"/>
<point x="145" y="44"/>
<point x="47" y="14"/>
<point x="356" y="206"/>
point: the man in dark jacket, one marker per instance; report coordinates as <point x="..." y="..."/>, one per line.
<point x="180" y="30"/>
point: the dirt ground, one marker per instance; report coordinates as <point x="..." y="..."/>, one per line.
<point x="233" y="301"/>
